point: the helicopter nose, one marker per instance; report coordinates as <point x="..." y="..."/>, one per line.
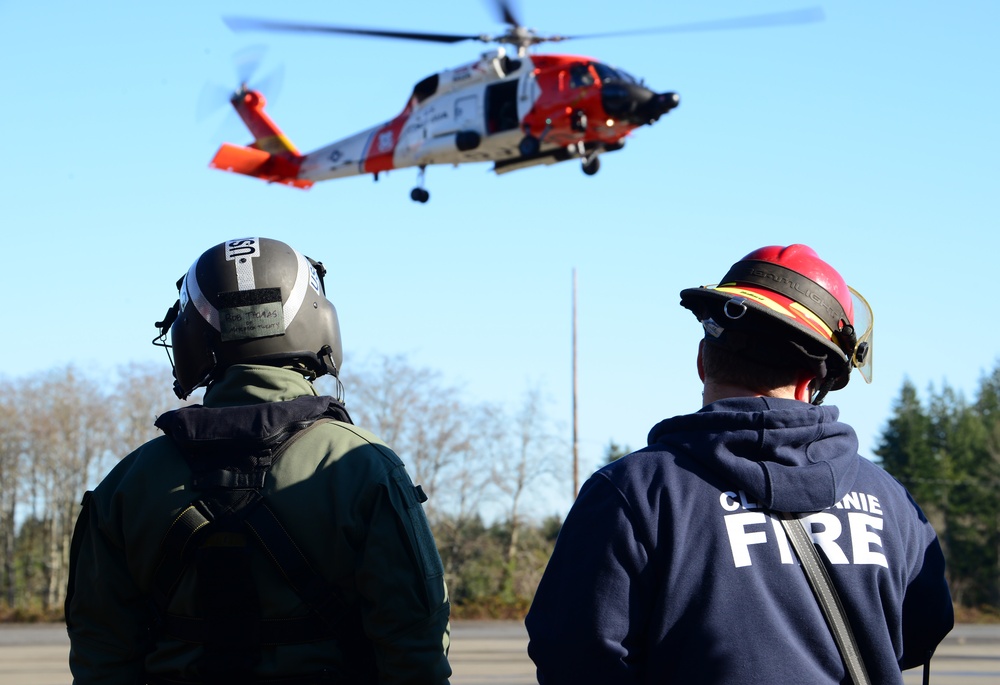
<point x="668" y="101"/>
<point x="659" y="104"/>
<point x="621" y="100"/>
<point x="635" y="103"/>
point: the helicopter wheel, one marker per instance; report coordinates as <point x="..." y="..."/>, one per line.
<point x="419" y="195"/>
<point x="591" y="166"/>
<point x="529" y="146"/>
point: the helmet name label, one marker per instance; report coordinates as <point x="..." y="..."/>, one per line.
<point x="252" y="321"/>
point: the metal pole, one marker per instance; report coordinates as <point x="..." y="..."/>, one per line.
<point x="576" y="467"/>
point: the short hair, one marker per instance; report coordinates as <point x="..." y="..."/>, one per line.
<point x="723" y="365"/>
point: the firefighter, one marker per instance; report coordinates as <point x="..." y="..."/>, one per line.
<point x="673" y="565"/>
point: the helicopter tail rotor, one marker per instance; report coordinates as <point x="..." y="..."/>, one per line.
<point x="214" y="96"/>
<point x="247" y="63"/>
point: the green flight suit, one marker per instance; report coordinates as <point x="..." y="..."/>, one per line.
<point x="345" y="499"/>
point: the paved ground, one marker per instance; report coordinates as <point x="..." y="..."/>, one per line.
<point x="969" y="655"/>
<point x="490" y="653"/>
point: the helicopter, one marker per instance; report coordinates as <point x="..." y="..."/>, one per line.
<point x="514" y="108"/>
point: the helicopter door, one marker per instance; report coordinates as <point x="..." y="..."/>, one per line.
<point x="466" y="113"/>
<point x="501" y="107"/>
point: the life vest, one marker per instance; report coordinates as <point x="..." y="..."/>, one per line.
<point x="230" y="451"/>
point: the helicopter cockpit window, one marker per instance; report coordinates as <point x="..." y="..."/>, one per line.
<point x="580" y="76"/>
<point x="608" y="74"/>
<point x="627" y="76"/>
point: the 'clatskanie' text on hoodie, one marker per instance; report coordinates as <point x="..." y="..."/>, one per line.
<point x="672" y="566"/>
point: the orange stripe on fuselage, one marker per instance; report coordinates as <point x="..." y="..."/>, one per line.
<point x="382" y="145"/>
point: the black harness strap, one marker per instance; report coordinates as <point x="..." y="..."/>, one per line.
<point x="230" y="453"/>
<point x="177" y="551"/>
<point x="230" y="603"/>
<point x="309" y="585"/>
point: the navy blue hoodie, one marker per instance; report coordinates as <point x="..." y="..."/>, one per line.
<point x="670" y="568"/>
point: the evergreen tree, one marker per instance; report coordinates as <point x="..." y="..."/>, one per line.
<point x="958" y="438"/>
<point x="905" y="450"/>
<point x="948" y="456"/>
<point x="985" y="479"/>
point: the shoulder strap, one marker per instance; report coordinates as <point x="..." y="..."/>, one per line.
<point x="314" y="590"/>
<point x="827" y="597"/>
<point x="181" y="543"/>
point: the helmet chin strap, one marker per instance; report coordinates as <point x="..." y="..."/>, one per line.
<point x="161" y="339"/>
<point x="183" y="394"/>
<point x="824" y="388"/>
<point x="330" y="366"/>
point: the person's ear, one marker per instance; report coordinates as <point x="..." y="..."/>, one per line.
<point x="804" y="387"/>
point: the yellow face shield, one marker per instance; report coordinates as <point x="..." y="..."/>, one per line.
<point x="863" y="323"/>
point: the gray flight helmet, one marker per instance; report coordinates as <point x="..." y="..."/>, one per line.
<point x="251" y="301"/>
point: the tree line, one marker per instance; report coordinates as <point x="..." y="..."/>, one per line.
<point x="58" y="431"/>
<point x="482" y="465"/>
<point x="946" y="450"/>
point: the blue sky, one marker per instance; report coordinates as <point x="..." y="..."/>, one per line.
<point x="871" y="136"/>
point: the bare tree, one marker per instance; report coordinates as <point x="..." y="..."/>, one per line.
<point x="387" y="394"/>
<point x="424" y="421"/>
<point x="12" y="439"/>
<point x="143" y="392"/>
<point x="523" y="454"/>
<point x="71" y="432"/>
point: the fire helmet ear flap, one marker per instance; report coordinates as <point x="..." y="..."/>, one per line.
<point x="252" y="300"/>
<point x="767" y="345"/>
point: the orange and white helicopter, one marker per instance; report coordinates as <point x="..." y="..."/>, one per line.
<point x="515" y="110"/>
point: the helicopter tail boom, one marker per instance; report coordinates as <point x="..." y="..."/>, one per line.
<point x="250" y="161"/>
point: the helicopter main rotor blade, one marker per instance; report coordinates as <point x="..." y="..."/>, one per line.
<point x="249" y="24"/>
<point x="506" y="13"/>
<point x="806" y="15"/>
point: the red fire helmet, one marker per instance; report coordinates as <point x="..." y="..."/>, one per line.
<point x="790" y="289"/>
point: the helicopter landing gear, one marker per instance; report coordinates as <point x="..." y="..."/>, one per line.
<point x="529" y="146"/>
<point x="591" y="165"/>
<point x="419" y="194"/>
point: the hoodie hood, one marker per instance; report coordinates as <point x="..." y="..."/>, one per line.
<point x="784" y="454"/>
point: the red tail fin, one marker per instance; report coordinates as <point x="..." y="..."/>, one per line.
<point x="271" y="157"/>
<point x="264" y="165"/>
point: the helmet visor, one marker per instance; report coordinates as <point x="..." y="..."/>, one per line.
<point x="863" y="324"/>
